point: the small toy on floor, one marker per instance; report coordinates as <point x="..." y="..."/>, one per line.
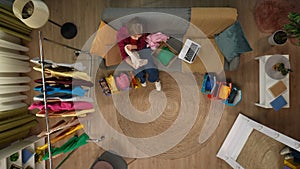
<point x="104" y="87"/>
<point x="291" y="157"/>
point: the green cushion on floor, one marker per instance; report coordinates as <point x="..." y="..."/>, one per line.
<point x="165" y="56"/>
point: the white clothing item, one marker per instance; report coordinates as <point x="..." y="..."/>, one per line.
<point x="135" y="58"/>
<point x="49" y="63"/>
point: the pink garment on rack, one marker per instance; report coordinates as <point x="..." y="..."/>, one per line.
<point x="153" y="40"/>
<point x="58" y="106"/>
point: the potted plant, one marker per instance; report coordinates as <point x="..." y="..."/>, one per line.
<point x="281" y="68"/>
<point x="293" y="28"/>
<point x="278" y="38"/>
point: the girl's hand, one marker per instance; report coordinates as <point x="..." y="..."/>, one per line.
<point x="135" y="66"/>
<point x="131" y="47"/>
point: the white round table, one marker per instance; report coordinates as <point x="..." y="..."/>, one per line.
<point x="274" y="74"/>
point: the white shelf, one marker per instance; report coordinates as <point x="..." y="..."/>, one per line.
<point x="30" y="143"/>
<point x="17" y="163"/>
<point x="265" y="82"/>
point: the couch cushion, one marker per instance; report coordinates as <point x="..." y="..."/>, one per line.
<point x="211" y="20"/>
<point x="232" y="41"/>
<point x="209" y="59"/>
<point x="105" y="45"/>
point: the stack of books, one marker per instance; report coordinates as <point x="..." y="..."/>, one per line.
<point x="277" y="90"/>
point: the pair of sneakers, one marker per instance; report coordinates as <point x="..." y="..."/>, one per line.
<point x="286" y="151"/>
<point x="157" y="85"/>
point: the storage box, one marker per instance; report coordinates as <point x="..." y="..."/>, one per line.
<point x="165" y="54"/>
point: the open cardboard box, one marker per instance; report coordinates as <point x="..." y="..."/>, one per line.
<point x="165" y="61"/>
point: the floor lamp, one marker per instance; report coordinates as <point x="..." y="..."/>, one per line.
<point x="76" y="51"/>
<point x="35" y="14"/>
<point x="68" y="30"/>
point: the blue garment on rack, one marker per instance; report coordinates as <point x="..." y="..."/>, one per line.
<point x="78" y="90"/>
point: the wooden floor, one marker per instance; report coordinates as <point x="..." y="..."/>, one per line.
<point x="86" y="15"/>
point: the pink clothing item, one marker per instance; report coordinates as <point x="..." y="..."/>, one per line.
<point x="58" y="106"/>
<point x="123" y="82"/>
<point x="122" y="33"/>
<point x="154" y="40"/>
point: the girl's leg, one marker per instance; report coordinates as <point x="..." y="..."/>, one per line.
<point x="296" y="155"/>
<point x="152" y="75"/>
<point x="147" y="54"/>
<point x="141" y="74"/>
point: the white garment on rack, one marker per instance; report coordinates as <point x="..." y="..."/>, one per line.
<point x="135" y="58"/>
<point x="78" y="65"/>
<point x="75" y="98"/>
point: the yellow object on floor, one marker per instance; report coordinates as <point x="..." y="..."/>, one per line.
<point x="112" y="84"/>
<point x="224" y="92"/>
<point x="290" y="163"/>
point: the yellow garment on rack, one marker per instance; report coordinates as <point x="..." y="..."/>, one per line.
<point x="74" y="74"/>
<point x="61" y="136"/>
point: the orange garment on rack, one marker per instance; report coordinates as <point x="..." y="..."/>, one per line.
<point x="71" y="113"/>
<point x="60" y="125"/>
<point x="61" y="136"/>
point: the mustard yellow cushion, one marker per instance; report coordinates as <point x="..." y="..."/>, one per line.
<point x="105" y="45"/>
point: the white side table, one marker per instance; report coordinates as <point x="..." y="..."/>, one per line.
<point x="265" y="82"/>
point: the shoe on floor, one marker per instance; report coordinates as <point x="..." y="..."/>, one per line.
<point x="288" y="156"/>
<point x="144" y="84"/>
<point x="157" y="86"/>
<point x="285" y="150"/>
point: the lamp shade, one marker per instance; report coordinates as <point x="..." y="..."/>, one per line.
<point x="33" y="13"/>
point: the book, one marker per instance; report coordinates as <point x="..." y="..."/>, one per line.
<point x="278" y="103"/>
<point x="278" y="88"/>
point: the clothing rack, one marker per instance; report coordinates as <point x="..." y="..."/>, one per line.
<point x="45" y="98"/>
<point x="77" y="52"/>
